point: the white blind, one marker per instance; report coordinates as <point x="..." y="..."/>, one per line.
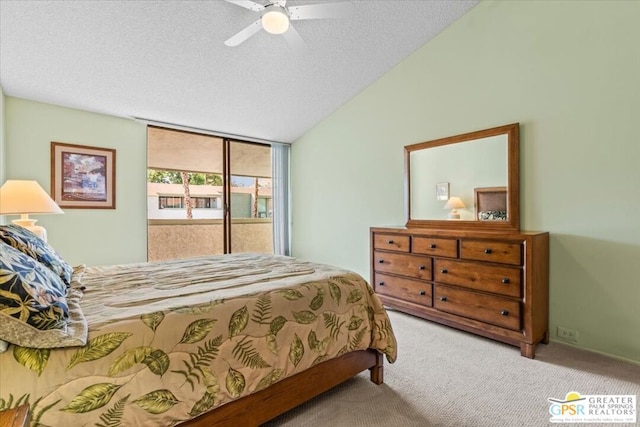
<point x="281" y="223"/>
<point x="187" y="151"/>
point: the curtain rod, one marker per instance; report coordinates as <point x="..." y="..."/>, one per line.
<point x="205" y="131"/>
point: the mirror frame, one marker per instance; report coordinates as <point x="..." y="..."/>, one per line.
<point x="513" y="180"/>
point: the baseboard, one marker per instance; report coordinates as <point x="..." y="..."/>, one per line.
<point x="601" y="353"/>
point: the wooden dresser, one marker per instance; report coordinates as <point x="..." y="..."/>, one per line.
<point x="491" y="283"/>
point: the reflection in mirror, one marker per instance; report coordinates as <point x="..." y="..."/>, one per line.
<point x="465" y="166"/>
<point x="478" y="168"/>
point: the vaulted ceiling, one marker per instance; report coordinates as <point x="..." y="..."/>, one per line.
<point x="165" y="60"/>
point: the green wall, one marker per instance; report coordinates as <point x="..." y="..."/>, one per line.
<point x="568" y="72"/>
<point x="82" y="236"/>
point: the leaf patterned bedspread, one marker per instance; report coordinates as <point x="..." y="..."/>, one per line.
<point x="171" y="340"/>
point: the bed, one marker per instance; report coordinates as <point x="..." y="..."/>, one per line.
<point x="220" y="340"/>
<point x="491" y="203"/>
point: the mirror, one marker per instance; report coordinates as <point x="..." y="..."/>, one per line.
<point x="465" y="181"/>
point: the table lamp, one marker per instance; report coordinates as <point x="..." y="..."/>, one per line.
<point x="27" y="197"/>
<point x="454" y="203"/>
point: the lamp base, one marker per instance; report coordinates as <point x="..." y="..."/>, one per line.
<point x="454" y="215"/>
<point x="30" y="224"/>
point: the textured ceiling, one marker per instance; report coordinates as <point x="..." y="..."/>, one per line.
<point x="166" y="60"/>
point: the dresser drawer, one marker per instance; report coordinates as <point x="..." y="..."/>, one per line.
<point x="436" y="247"/>
<point x="496" y="310"/>
<point x="492" y="251"/>
<point x="391" y="242"/>
<point x="406" y="265"/>
<point x="473" y="275"/>
<point x="411" y="290"/>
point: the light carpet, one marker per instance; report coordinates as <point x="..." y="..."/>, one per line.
<point x="446" y="377"/>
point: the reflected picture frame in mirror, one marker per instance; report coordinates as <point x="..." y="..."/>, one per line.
<point x="468" y="162"/>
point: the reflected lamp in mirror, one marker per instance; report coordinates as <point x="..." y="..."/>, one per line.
<point x="454" y="203"/>
<point x="22" y="198"/>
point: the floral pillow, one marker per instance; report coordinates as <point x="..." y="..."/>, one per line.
<point x="31" y="292"/>
<point x="492" y="215"/>
<point x="30" y="244"/>
<point x="36" y="307"/>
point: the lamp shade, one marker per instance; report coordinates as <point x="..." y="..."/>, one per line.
<point x="454" y="203"/>
<point x="26" y="197"/>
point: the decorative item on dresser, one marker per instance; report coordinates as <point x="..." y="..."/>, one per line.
<point x="480" y="274"/>
<point x="491" y="284"/>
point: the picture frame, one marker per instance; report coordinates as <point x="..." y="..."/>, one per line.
<point x="442" y="191"/>
<point x="83" y="177"/>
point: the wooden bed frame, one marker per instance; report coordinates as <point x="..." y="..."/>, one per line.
<point x="264" y="405"/>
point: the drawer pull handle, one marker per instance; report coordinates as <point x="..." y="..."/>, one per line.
<point x="381" y="284"/>
<point x="432" y="246"/>
<point x="444" y="271"/>
<point x="391" y="242"/>
<point x="505" y="312"/>
<point x="505" y="280"/>
<point x="380" y="261"/>
<point x="423" y="293"/>
<point x="443" y="298"/>
<point x="487" y="251"/>
<point x="422" y="267"/>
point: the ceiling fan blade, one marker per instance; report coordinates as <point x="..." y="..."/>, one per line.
<point x="281" y="3"/>
<point x="321" y="10"/>
<point x="244" y="34"/>
<point x="295" y="40"/>
<point x="247" y="4"/>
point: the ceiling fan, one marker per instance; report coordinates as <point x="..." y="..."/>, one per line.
<point x="276" y="16"/>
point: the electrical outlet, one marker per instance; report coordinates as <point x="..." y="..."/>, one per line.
<point x="567" y="334"/>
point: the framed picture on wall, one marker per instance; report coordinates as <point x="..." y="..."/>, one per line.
<point x="83" y="177"/>
<point x="442" y="191"/>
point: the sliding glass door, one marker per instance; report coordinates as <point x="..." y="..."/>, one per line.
<point x="206" y="195"/>
<point x="250" y="197"/>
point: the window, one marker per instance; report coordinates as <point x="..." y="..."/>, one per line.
<point x="177" y="202"/>
<point x="168" y="202"/>
<point x="265" y="209"/>
<point x="205" y="202"/>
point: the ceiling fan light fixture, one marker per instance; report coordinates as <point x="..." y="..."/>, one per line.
<point x="275" y="20"/>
